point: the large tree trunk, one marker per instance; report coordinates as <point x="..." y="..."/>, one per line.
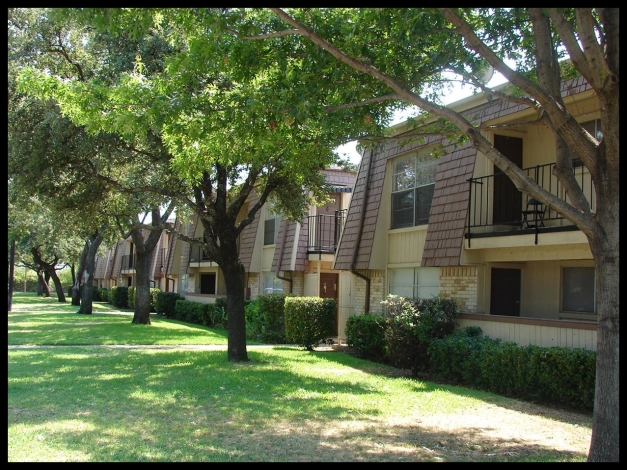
<point x="12" y="273"/>
<point x="142" y="287"/>
<point x="88" y="275"/>
<point x="43" y="288"/>
<point x="76" y="288"/>
<point x="143" y="257"/>
<point x="605" y="445"/>
<point x="57" y="284"/>
<point x="235" y="303"/>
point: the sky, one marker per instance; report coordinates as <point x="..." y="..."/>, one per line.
<point x="458" y="92"/>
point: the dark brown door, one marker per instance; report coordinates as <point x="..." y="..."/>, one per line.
<point x="505" y="292"/>
<point x="329" y="290"/>
<point x="507" y="205"/>
<point x="208" y="283"/>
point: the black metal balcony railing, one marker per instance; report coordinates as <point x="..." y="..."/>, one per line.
<point x="495" y="205"/>
<point x="197" y="253"/>
<point x="325" y="231"/>
<point x="128" y="262"/>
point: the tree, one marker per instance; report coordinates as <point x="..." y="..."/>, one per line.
<point x="228" y="128"/>
<point x="49" y="156"/>
<point x="407" y="50"/>
<point x="41" y="241"/>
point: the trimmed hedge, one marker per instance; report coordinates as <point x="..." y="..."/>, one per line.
<point x="265" y="319"/>
<point x="213" y="315"/>
<point x="308" y="320"/>
<point x="103" y="294"/>
<point x="165" y="303"/>
<point x="366" y="333"/>
<point x="119" y="296"/>
<point x="559" y="375"/>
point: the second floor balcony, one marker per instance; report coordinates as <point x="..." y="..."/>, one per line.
<point x="497" y="208"/>
<point x="324" y="232"/>
<point x="127" y="263"/>
<point x="197" y="255"/>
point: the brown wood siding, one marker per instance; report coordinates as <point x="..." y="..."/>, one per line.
<point x="171" y="249"/>
<point x="190" y="230"/>
<point x="248" y="236"/>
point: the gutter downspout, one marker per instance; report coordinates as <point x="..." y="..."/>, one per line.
<point x="359" y="234"/>
<point x="280" y="260"/>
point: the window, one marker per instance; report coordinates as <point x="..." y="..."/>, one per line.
<point x="578" y="289"/>
<point x="413" y="182"/>
<point x="421" y="283"/>
<point x="271" y="227"/>
<point x="271" y="283"/>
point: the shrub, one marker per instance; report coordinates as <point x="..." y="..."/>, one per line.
<point x="154" y="291"/>
<point x="272" y="318"/>
<point x="103" y="294"/>
<point x="120" y="296"/>
<point x="308" y="320"/>
<point x="219" y="314"/>
<point x="131" y="297"/>
<point x="564" y="376"/>
<point x="254" y="321"/>
<point x="112" y="294"/>
<point x="414" y="323"/>
<point x="165" y="303"/>
<point x="366" y="333"/>
<point x="192" y="312"/>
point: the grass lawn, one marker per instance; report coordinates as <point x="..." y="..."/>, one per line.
<point x="286" y="404"/>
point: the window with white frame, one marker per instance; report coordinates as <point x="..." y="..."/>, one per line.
<point x="271" y="283"/>
<point x="423" y="283"/>
<point x="578" y="292"/>
<point x="413" y="181"/>
<point x="271" y="227"/>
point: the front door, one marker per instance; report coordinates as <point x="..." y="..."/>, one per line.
<point x="505" y="292"/>
<point x="507" y="205"/>
<point x="208" y="283"/>
<point x="329" y="290"/>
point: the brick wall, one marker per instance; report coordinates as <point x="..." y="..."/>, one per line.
<point x="460" y="283"/>
<point x="377" y="291"/>
<point x="253" y="284"/>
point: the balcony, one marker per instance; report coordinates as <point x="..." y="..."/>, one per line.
<point x="197" y="255"/>
<point x="324" y="232"/>
<point x="497" y="208"/>
<point x="127" y="263"/>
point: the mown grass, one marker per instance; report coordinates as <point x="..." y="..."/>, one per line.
<point x="49" y="322"/>
<point x="285" y="404"/>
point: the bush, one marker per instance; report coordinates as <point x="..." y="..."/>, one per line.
<point x="193" y="312"/>
<point x="308" y="320"/>
<point x="154" y="291"/>
<point x="414" y="323"/>
<point x="218" y="314"/>
<point x="112" y="294"/>
<point x="103" y="294"/>
<point x="165" y="303"/>
<point x="564" y="376"/>
<point x="366" y="333"/>
<point x="119" y="296"/>
<point x="131" y="297"/>
<point x="272" y="317"/>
